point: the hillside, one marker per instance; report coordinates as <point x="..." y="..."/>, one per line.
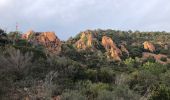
<point x="94" y="65"/>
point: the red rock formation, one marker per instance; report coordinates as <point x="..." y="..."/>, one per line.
<point x="149" y="46"/>
<point x="156" y="57"/>
<point x="85" y="41"/>
<point x="47" y="39"/>
<point x="111" y="48"/>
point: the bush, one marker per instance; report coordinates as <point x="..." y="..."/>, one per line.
<point x="105" y="95"/>
<point x="122" y="92"/>
<point x="14" y="60"/>
<point x="164" y="59"/>
<point x="155" y="68"/>
<point x="106" y="75"/>
<point x="140" y="81"/>
<point x="72" y="95"/>
<point x="130" y="63"/>
<point x="135" y="51"/>
<point x="91" y="74"/>
<point x="91" y="90"/>
<point x="161" y="92"/>
<point x="150" y="59"/>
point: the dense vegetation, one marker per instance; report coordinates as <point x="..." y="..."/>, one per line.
<point x="27" y="71"/>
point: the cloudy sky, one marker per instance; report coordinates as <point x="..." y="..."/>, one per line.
<point x="69" y="17"/>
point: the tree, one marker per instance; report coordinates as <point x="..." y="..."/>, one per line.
<point x="3" y="37"/>
<point x="130" y="62"/>
<point x="160" y="92"/>
<point x="13" y="59"/>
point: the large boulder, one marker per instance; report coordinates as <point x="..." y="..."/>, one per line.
<point x="113" y="51"/>
<point x="149" y="46"/>
<point x="48" y="39"/>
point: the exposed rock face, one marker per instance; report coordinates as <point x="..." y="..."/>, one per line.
<point x="156" y="57"/>
<point x="85" y="41"/>
<point x="47" y="39"/>
<point x="123" y="49"/>
<point x="113" y="51"/>
<point x="149" y="46"/>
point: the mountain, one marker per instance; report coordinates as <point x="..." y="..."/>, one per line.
<point x="94" y="65"/>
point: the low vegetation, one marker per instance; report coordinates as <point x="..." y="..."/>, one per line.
<point x="28" y="72"/>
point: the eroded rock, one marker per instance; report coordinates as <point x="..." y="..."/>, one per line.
<point x="85" y="41"/>
<point x="149" y="46"/>
<point x="48" y="39"/>
<point x="113" y="51"/>
<point x="157" y="57"/>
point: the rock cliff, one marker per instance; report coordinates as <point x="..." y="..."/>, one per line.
<point x="48" y="39"/>
<point x="149" y="46"/>
<point x="85" y="41"/>
<point x="112" y="50"/>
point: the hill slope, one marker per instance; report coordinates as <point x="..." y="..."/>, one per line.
<point x="94" y="65"/>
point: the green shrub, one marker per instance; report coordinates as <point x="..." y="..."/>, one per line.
<point x="164" y="59"/>
<point x="91" y="74"/>
<point x="135" y="51"/>
<point x="155" y="68"/>
<point x="122" y="92"/>
<point x="105" y="95"/>
<point x="106" y="75"/>
<point x="72" y="95"/>
<point x="161" y="92"/>
<point x="150" y="59"/>
<point x="130" y="63"/>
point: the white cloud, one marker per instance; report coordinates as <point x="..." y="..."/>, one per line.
<point x="67" y="17"/>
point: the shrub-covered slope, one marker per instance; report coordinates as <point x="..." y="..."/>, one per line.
<point x="94" y="65"/>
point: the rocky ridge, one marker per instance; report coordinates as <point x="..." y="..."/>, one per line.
<point x="47" y="39"/>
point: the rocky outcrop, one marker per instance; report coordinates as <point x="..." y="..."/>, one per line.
<point x="85" y="41"/>
<point x="149" y="46"/>
<point x="112" y="50"/>
<point x="157" y="57"/>
<point x="48" y="39"/>
<point x="123" y="49"/>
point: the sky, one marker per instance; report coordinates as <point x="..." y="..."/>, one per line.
<point x="68" y="17"/>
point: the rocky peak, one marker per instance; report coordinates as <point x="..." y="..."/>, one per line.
<point x="47" y="39"/>
<point x="113" y="51"/>
<point x="149" y="46"/>
<point x="85" y="41"/>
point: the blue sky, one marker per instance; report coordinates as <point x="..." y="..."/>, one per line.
<point x="69" y="17"/>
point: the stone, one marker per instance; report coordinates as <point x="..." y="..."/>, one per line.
<point x="85" y="41"/>
<point x="149" y="46"/>
<point x="48" y="39"/>
<point x="110" y="46"/>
